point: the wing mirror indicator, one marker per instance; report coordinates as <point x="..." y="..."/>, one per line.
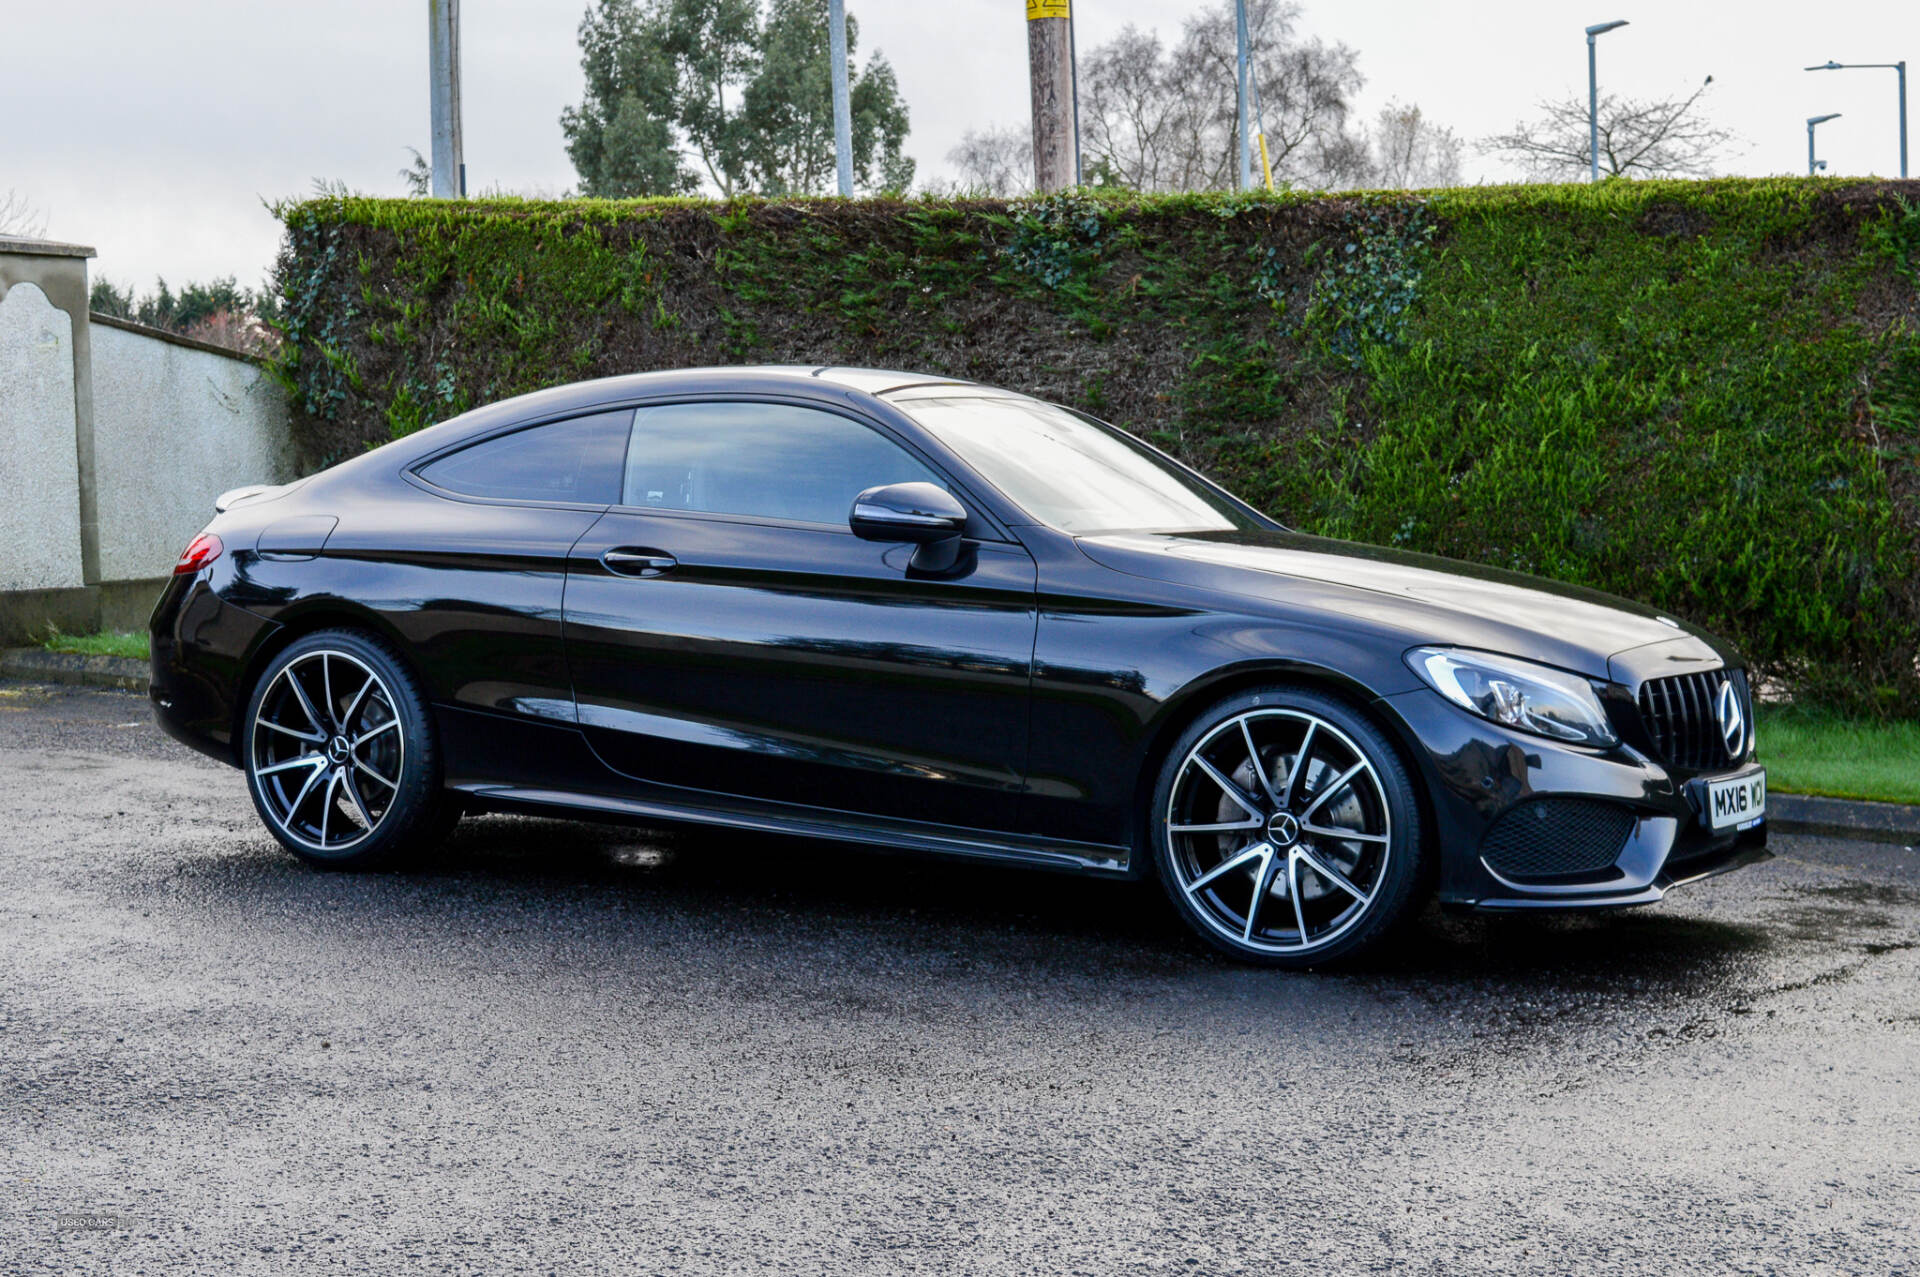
<point x="923" y="514"/>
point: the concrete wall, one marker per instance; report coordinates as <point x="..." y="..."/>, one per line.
<point x="114" y="441"/>
<point x="174" y="426"/>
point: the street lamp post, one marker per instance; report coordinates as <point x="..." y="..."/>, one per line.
<point x="1900" y="68"/>
<point x="1813" y="165"/>
<point x="1593" y="93"/>
<point x="449" y="180"/>
<point x="842" y="111"/>
<point x="1243" y="58"/>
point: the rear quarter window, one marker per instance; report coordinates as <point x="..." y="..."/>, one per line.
<point x="576" y="461"/>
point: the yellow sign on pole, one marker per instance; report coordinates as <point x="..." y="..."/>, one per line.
<point x="1038" y="9"/>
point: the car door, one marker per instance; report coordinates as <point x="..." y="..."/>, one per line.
<point x="727" y="632"/>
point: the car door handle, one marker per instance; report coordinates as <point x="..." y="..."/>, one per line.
<point x="631" y="561"/>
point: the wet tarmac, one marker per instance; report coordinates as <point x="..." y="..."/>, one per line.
<point x="566" y="1048"/>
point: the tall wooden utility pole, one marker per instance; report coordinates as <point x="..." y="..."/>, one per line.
<point x="449" y="161"/>
<point x="1050" y="63"/>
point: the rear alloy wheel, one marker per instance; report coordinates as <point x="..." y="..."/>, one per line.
<point x="340" y="757"/>
<point x="1286" y="830"/>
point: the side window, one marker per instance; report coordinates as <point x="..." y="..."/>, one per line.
<point x="578" y="459"/>
<point x="773" y="461"/>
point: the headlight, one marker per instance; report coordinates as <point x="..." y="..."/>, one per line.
<point x="1517" y="693"/>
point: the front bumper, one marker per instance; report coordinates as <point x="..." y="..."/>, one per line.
<point x="1476" y="772"/>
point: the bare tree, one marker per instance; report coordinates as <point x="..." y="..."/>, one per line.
<point x="1664" y="137"/>
<point x="996" y="161"/>
<point x="1142" y="127"/>
<point x="18" y="216"/>
<point x="1167" y="119"/>
<point x="1303" y="90"/>
<point x="1411" y="152"/>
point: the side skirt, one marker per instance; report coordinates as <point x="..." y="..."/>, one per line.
<point x="939" y="840"/>
<point x="547" y="768"/>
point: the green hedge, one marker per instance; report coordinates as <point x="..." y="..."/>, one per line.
<point x="1705" y="395"/>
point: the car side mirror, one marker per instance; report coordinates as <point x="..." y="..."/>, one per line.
<point x="922" y="514"/>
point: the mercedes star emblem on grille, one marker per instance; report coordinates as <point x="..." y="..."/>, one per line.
<point x="1733" y="723"/>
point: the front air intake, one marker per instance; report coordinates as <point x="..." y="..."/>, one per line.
<point x="1557" y="838"/>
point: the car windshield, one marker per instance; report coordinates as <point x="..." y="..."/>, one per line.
<point x="1067" y="471"/>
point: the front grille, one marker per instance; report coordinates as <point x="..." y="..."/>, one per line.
<point x="1557" y="838"/>
<point x="1682" y="722"/>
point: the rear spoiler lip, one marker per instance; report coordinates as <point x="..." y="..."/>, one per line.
<point x="248" y="492"/>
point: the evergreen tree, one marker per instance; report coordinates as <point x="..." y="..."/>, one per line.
<point x="681" y="91"/>
<point x="620" y="138"/>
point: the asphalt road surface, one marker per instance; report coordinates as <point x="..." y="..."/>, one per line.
<point x="575" y="1048"/>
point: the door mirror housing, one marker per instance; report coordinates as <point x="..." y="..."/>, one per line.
<point x="916" y="512"/>
<point x="923" y="514"/>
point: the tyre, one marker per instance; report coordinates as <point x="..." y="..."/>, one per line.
<point x="340" y="755"/>
<point x="1286" y="829"/>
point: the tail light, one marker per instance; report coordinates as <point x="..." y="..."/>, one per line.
<point x="200" y="551"/>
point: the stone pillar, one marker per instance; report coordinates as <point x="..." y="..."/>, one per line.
<point x="49" y="543"/>
<point x="59" y="273"/>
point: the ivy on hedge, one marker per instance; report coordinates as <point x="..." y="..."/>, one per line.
<point x="1704" y="395"/>
<point x="1363" y="289"/>
<point x="1055" y="236"/>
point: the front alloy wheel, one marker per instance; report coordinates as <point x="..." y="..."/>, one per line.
<point x="1286" y="830"/>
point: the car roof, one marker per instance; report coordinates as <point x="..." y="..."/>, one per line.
<point x="878" y="384"/>
<point x="588" y="395"/>
<point x="871" y="381"/>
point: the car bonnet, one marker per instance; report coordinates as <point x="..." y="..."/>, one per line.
<point x="1425" y="598"/>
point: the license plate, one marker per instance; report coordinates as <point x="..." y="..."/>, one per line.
<point x="1737" y="800"/>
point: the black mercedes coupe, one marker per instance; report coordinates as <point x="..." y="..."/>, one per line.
<point x="939" y="617"/>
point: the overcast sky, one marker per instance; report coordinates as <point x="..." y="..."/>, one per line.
<point x="154" y="131"/>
